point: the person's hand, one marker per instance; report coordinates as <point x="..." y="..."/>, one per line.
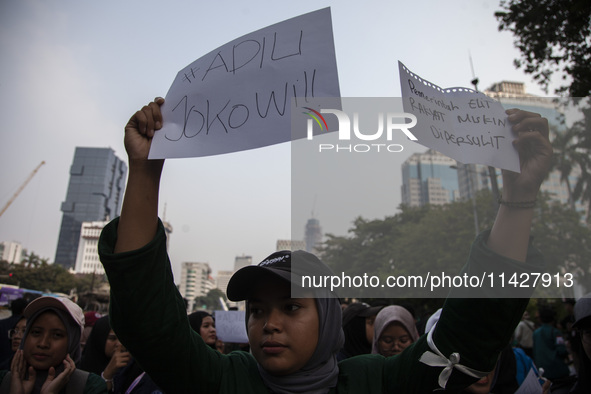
<point x="121" y="357"/>
<point x="140" y="130"/>
<point x="19" y="382"/>
<point x="535" y="156"/>
<point x="54" y="384"/>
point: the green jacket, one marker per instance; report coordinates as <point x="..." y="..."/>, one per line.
<point x="149" y="316"/>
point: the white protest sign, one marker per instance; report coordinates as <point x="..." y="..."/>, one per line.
<point x="238" y="96"/>
<point x="461" y="123"/>
<point x="230" y="326"/>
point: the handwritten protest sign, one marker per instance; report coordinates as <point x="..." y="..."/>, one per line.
<point x="461" y="123"/>
<point x="238" y="96"/>
<point x="230" y="326"/>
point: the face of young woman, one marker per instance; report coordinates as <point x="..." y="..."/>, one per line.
<point x="46" y="345"/>
<point x="282" y="331"/>
<point x="393" y="340"/>
<point x="111" y="344"/>
<point x="207" y="330"/>
<point x="19" y="331"/>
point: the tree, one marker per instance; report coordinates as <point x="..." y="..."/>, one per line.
<point x="211" y="301"/>
<point x="582" y="156"/>
<point x="552" y="35"/>
<point x="42" y="276"/>
<point x="565" y="159"/>
<point x="564" y="240"/>
<point x="32" y="260"/>
<point x="437" y="239"/>
<point x="416" y="240"/>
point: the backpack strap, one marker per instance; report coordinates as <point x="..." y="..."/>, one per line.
<point x="77" y="382"/>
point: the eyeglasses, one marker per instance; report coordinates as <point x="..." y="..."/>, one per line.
<point x="14" y="331"/>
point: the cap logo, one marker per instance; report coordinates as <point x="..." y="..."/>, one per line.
<point x="274" y="260"/>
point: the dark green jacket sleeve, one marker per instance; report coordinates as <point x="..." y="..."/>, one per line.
<point x="148" y="314"/>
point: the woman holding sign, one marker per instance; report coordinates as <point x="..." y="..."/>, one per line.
<point x="295" y="341"/>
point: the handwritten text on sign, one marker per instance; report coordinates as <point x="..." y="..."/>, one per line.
<point x="461" y="123"/>
<point x="238" y="96"/>
<point x="230" y="326"/>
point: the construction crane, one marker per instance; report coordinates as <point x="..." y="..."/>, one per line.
<point x="20" y="189"/>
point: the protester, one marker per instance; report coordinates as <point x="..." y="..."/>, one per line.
<point x="394" y="331"/>
<point x="358" y="323"/>
<point x="90" y="318"/>
<point x="582" y="324"/>
<point x="103" y="354"/>
<point x="132" y="379"/>
<point x="294" y="341"/>
<point x="549" y="347"/>
<point x="45" y="362"/>
<point x="204" y="325"/>
<point x="524" y="334"/>
<point x="15" y="336"/>
<point x="106" y="356"/>
<point x="17" y="307"/>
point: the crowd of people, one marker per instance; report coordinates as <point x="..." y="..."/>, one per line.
<point x="381" y="329"/>
<point x="297" y="344"/>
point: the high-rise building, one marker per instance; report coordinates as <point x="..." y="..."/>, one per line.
<point x="87" y="259"/>
<point x="222" y="280"/>
<point x="11" y="252"/>
<point x="95" y="193"/>
<point x="429" y="178"/>
<point x="242" y="261"/>
<point x="475" y="177"/>
<point x="196" y="281"/>
<point x="313" y="235"/>
<point x="289" y="244"/>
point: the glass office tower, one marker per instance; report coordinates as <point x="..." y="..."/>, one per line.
<point x="95" y="193"/>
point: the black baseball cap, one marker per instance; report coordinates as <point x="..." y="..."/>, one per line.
<point x="359" y="309"/>
<point x="285" y="265"/>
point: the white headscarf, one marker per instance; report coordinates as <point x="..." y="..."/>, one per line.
<point x="391" y="314"/>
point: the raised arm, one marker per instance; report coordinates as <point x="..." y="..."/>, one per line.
<point x="509" y="236"/>
<point x="139" y="214"/>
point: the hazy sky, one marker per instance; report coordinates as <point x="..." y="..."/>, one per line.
<point x="73" y="72"/>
